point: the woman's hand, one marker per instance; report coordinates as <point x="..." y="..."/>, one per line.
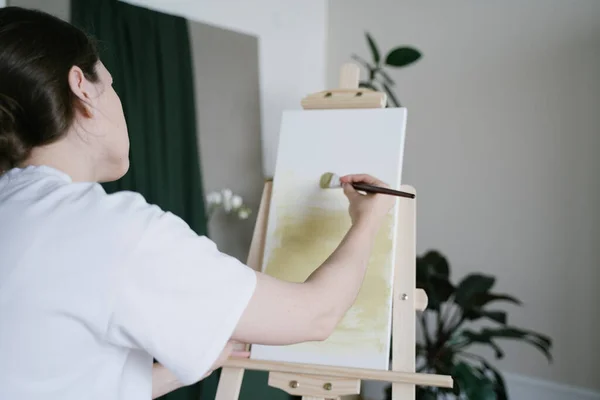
<point x="370" y="207"/>
<point x="232" y="349"/>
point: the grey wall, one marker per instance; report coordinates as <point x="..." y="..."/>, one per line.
<point x="502" y="146"/>
<point x="58" y="8"/>
<point x="227" y="100"/>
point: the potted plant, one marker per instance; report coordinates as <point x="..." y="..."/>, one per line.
<point x="378" y="77"/>
<point x="447" y="340"/>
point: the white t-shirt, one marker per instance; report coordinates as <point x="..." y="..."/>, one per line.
<point x="93" y="286"/>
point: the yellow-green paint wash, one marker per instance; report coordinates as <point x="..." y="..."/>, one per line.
<point x="304" y="240"/>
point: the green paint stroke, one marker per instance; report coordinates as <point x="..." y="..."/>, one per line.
<point x="305" y="239"/>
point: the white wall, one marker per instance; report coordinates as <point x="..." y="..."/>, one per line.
<point x="291" y="50"/>
<point x="502" y="145"/>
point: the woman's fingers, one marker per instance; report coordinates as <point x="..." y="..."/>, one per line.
<point x="240" y="354"/>
<point x="232" y="349"/>
<point x="366" y="178"/>
<point x="349" y="190"/>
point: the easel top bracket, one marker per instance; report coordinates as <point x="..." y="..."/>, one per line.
<point x="348" y="95"/>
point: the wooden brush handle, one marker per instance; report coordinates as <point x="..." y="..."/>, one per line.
<point x="365" y="187"/>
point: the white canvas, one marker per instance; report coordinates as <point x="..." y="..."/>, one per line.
<point x="306" y="223"/>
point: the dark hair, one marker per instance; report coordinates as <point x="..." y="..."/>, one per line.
<point x="37" y="107"/>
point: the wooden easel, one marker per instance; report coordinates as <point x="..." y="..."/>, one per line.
<point x="315" y="382"/>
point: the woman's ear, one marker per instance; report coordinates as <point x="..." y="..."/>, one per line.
<point x="77" y="83"/>
<point x="83" y="89"/>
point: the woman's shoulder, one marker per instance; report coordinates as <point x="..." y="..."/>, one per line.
<point x="43" y="193"/>
<point x="124" y="218"/>
<point x="125" y="208"/>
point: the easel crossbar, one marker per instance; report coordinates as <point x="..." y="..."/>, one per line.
<point x="339" y="372"/>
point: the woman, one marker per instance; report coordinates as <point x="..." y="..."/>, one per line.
<point x="94" y="286"/>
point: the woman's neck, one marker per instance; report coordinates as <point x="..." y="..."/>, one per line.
<point x="64" y="156"/>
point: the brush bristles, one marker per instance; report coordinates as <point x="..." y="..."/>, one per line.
<point x="329" y="180"/>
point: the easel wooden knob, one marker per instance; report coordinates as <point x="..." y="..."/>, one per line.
<point x="349" y="77"/>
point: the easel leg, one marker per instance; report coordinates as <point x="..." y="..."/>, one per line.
<point x="403" y="391"/>
<point x="230" y="384"/>
<point x="404" y="330"/>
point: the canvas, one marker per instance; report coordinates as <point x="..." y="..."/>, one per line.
<point x="306" y="224"/>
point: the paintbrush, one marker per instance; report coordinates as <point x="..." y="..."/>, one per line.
<point x="329" y="180"/>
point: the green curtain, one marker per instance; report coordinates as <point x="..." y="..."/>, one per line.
<point x="148" y="55"/>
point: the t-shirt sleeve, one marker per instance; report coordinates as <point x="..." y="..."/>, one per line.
<point x="178" y="297"/>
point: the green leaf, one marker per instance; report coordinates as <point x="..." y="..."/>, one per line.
<point x="402" y="56"/>
<point x="438" y="291"/>
<point x="391" y="96"/>
<point x="470" y="286"/>
<point x="512" y="332"/>
<point x="482" y="299"/>
<point x="374" y="49"/>
<point x="473" y="337"/>
<point x="363" y="62"/>
<point x="539" y="341"/>
<point x="386" y="77"/>
<point x="420" y="350"/>
<point x="500" y="385"/>
<point x="368" y="85"/>
<point x="434" y="263"/>
<point x="472" y="382"/>
<point x="425" y="330"/>
<point x="424" y="393"/>
<point x="441" y="358"/>
<point x="433" y="274"/>
<point x="476" y="313"/>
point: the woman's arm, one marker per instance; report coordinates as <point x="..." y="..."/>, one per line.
<point x="282" y="312"/>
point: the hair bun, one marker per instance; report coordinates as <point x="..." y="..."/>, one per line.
<point x="12" y="148"/>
